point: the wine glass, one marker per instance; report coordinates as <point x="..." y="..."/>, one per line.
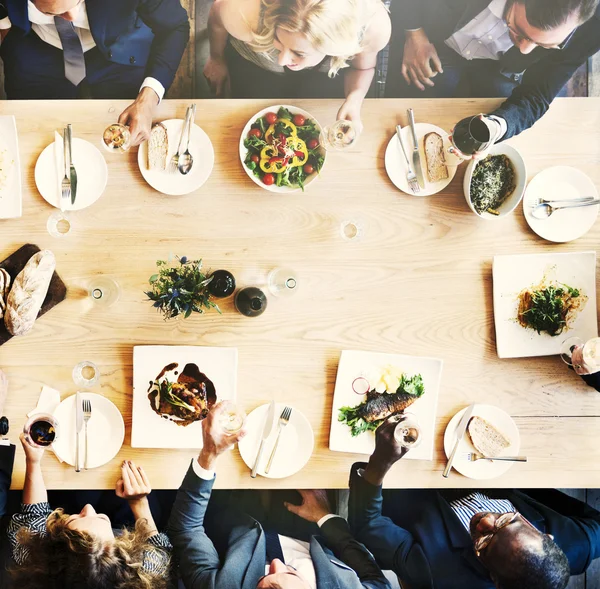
<point x="116" y="138"/>
<point x="104" y="290"/>
<point x="282" y="282"/>
<point x="86" y="374"/>
<point x="408" y="431"/>
<point x="41" y="430"/>
<point x="232" y="418"/>
<point x="567" y="347"/>
<point x="58" y="224"/>
<point x="341" y="135"/>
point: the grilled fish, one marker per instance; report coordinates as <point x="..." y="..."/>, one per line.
<point x="382" y="405"/>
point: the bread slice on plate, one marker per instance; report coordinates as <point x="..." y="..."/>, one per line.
<point x="486" y="438"/>
<point x="437" y="169"/>
<point x="158" y="147"/>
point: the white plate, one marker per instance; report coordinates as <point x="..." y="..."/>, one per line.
<point x="176" y="184"/>
<point x="395" y="163"/>
<point x="243" y="151"/>
<point x="354" y="364"/>
<point x="295" y="445"/>
<point x="564" y="183"/>
<point x="511" y="274"/>
<point x="92" y="175"/>
<point x="482" y="469"/>
<point x="106" y="431"/>
<point x="10" y="169"/>
<point x="150" y="430"/>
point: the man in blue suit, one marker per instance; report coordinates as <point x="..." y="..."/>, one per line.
<point x="62" y="49"/>
<point x="476" y="539"/>
<point x="241" y="554"/>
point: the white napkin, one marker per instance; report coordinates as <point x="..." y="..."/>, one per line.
<point x="59" y="158"/>
<point x="48" y="402"/>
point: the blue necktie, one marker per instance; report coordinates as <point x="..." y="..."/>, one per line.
<point x="273" y="546"/>
<point x="72" y="51"/>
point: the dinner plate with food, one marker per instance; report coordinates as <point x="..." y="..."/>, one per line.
<point x="558" y="186"/>
<point x="491" y="432"/>
<point x="155" y="155"/>
<point x="174" y="388"/>
<point x="294" y="449"/>
<point x="10" y="169"/>
<point x="372" y="386"/>
<point x="542" y="299"/>
<point x="438" y="165"/>
<point x="280" y="149"/>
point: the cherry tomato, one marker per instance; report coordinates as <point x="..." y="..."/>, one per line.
<point x="271" y="119"/>
<point x="298" y="120"/>
<point x="254" y="158"/>
<point x="268" y="179"/>
<point x="254" y="133"/>
<point x="312" y="144"/>
<point x="308" y="169"/>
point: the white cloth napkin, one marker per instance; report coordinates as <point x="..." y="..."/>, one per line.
<point x="59" y="158"/>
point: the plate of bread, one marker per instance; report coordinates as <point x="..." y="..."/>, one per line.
<point x="154" y="157"/>
<point x="491" y="432"/>
<point x="439" y="166"/>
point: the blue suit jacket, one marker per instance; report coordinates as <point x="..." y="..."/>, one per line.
<point x="340" y="562"/>
<point x="150" y="33"/>
<point x="427" y="546"/>
<point x="7" y="458"/>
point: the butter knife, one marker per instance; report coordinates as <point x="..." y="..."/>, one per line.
<point x="78" y="427"/>
<point x="416" y="154"/>
<point x="267" y="430"/>
<point x="73" y="173"/>
<point x="460" y="432"/>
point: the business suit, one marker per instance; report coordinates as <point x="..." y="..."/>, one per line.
<point x="134" y="39"/>
<point x="530" y="81"/>
<point x="339" y="561"/>
<point x="7" y="458"/>
<point x="417" y="535"/>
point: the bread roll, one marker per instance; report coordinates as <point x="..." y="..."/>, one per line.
<point x="28" y="293"/>
<point x="434" y="157"/>
<point x="158" y="147"/>
<point x="486" y="438"/>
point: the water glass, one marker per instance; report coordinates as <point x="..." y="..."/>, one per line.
<point x="116" y="138"/>
<point x="567" y="347"/>
<point x="408" y="431"/>
<point x="232" y="419"/>
<point x="104" y="291"/>
<point x="59" y="224"/>
<point x="341" y="135"/>
<point x="86" y="374"/>
<point x="352" y="229"/>
<point x="282" y="282"/>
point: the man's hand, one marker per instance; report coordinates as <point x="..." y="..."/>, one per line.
<point x="3" y="33"/>
<point x="421" y="61"/>
<point x="216" y="440"/>
<point x="350" y="111"/>
<point x="138" y="116"/>
<point x="133" y="484"/>
<point x="387" y="452"/>
<point x="216" y="73"/>
<point x="579" y="364"/>
<point x="315" y="505"/>
<point x="32" y="455"/>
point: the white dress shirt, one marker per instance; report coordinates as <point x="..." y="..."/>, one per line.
<point x="44" y="27"/>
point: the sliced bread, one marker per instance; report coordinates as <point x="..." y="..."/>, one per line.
<point x="434" y="157"/>
<point x="158" y="148"/>
<point x="486" y="438"/>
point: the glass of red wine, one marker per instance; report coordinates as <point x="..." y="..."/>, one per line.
<point x="472" y="134"/>
<point x="41" y="430"/>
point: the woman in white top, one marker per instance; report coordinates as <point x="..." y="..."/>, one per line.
<point x="295" y="49"/>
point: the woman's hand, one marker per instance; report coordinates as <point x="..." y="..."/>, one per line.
<point x="32" y="455"/>
<point x="350" y="111"/>
<point x="315" y="505"/>
<point x="216" y="73"/>
<point x="133" y="484"/>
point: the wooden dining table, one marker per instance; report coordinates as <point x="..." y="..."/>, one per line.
<point x="419" y="282"/>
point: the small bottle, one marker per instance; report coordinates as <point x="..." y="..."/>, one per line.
<point x="222" y="284"/>
<point x="251" y="301"/>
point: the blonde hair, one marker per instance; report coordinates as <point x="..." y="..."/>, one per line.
<point x="64" y="558"/>
<point x="334" y="27"/>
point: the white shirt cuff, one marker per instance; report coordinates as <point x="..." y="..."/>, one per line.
<point x="503" y="127"/>
<point x="155" y="85"/>
<point x="5" y="23"/>
<point x="206" y="475"/>
<point x="326" y="518"/>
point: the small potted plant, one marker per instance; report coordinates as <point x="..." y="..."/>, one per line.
<point x="181" y="289"/>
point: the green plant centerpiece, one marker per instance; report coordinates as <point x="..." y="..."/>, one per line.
<point x="181" y="288"/>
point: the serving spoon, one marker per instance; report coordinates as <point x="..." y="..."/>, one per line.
<point x="186" y="161"/>
<point x="544" y="210"/>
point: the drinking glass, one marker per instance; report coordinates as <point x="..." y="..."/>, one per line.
<point x="408" y="431"/>
<point x="472" y="134"/>
<point x="59" y="224"/>
<point x="104" y="290"/>
<point x="232" y="419"/>
<point x="352" y="229"/>
<point x="567" y="347"/>
<point x="116" y="138"/>
<point x="590" y="353"/>
<point x="341" y="135"/>
<point x="41" y="430"/>
<point x="86" y="374"/>
<point x="282" y="282"/>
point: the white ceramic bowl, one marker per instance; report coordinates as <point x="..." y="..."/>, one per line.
<point x="243" y="151"/>
<point x="510" y="204"/>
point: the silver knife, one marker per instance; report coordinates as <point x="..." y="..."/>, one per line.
<point x="416" y="154"/>
<point x="460" y="432"/>
<point x="73" y="173"/>
<point x="78" y="427"/>
<point x="267" y="429"/>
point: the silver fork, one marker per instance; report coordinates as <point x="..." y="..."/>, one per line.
<point x="284" y="419"/>
<point x="473" y="456"/>
<point x="174" y="165"/>
<point x="87" y="413"/>
<point x="411" y="177"/>
<point x="538" y="201"/>
<point x="65" y="185"/>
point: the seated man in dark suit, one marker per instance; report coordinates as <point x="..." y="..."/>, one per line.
<point x="94" y="49"/>
<point x="240" y="554"/>
<point x="526" y="50"/>
<point x="507" y="539"/>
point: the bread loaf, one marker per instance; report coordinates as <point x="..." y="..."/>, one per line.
<point x="158" y="147"/>
<point x="434" y="157"/>
<point x="28" y="293"/>
<point x="486" y="438"/>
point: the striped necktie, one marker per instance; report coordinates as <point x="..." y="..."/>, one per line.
<point x="72" y="50"/>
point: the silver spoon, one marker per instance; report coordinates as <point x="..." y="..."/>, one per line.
<point x="186" y="161"/>
<point x="545" y="210"/>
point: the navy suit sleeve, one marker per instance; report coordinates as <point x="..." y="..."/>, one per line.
<point x="408" y="14"/>
<point x="592" y="380"/>
<point x="543" y="81"/>
<point x="394" y="547"/>
<point x="7" y="460"/>
<point x="171" y="27"/>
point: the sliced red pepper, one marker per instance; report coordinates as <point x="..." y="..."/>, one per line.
<point x="299" y="154"/>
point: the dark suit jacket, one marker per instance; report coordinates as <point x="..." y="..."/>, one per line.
<point x="592" y="380"/>
<point x="545" y="71"/>
<point x="150" y="33"/>
<point x="340" y="562"/>
<point x="427" y="546"/>
<point x="7" y="457"/>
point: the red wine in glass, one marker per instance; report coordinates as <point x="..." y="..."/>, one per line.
<point x="41" y="430"/>
<point x="471" y="135"/>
